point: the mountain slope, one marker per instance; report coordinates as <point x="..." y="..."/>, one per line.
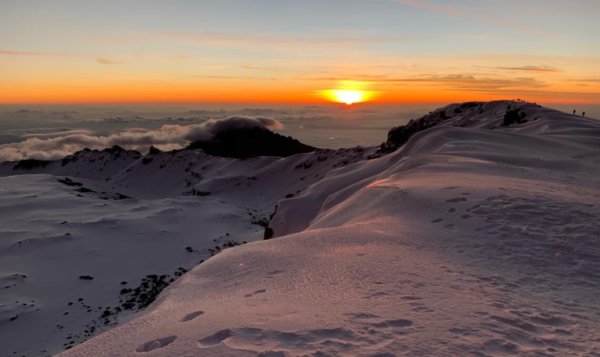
<point x="473" y="237"/>
<point x="89" y="241"/>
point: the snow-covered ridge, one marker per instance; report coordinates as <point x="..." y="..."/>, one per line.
<point x="479" y="123"/>
<point x="473" y="237"/>
<point x="89" y="240"/>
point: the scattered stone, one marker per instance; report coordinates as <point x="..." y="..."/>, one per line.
<point x="67" y="181"/>
<point x="268" y="233"/>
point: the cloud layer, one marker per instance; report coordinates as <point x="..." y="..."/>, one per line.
<point x="54" y="146"/>
<point x="104" y="60"/>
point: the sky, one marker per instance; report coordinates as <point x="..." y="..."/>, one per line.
<point x="283" y="51"/>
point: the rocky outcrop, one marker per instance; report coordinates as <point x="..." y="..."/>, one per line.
<point x="250" y="142"/>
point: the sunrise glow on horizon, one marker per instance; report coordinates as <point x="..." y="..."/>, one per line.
<point x="231" y="51"/>
<point x="348" y="97"/>
<point x="349" y="92"/>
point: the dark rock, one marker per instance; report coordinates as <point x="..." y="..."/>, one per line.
<point x="154" y="151"/>
<point x="84" y="190"/>
<point x="30" y="164"/>
<point x="251" y="142"/>
<point x="263" y="222"/>
<point x="67" y="181"/>
<point x="514" y="116"/>
<point x="120" y="196"/>
<point x="268" y="233"/>
<point x="399" y="135"/>
<point x="195" y="192"/>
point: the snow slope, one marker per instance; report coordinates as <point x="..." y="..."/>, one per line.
<point x="472" y="238"/>
<point x="88" y="241"/>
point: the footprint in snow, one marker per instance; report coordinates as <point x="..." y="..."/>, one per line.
<point x="456" y="199"/>
<point x="215" y="338"/>
<point x="191" y="316"/>
<point x="156" y="344"/>
<point x="451" y="187"/>
<point x="361" y="316"/>
<point x="393" y="323"/>
<point x="411" y="298"/>
<point x="261" y="291"/>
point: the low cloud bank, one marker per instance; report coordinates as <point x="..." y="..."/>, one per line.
<point x="55" y="146"/>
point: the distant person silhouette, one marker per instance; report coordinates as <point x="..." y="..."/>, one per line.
<point x="574" y="111"/>
<point x="583" y="114"/>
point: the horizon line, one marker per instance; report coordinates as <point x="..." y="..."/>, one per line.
<point x="287" y="103"/>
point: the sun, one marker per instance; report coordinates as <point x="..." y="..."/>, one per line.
<point x="349" y="92"/>
<point x="348" y="96"/>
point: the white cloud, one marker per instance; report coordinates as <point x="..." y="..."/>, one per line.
<point x="53" y="146"/>
<point x="108" y="61"/>
<point x="56" y="134"/>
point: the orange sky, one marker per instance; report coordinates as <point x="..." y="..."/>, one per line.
<point x="428" y="91"/>
<point x="400" y="51"/>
